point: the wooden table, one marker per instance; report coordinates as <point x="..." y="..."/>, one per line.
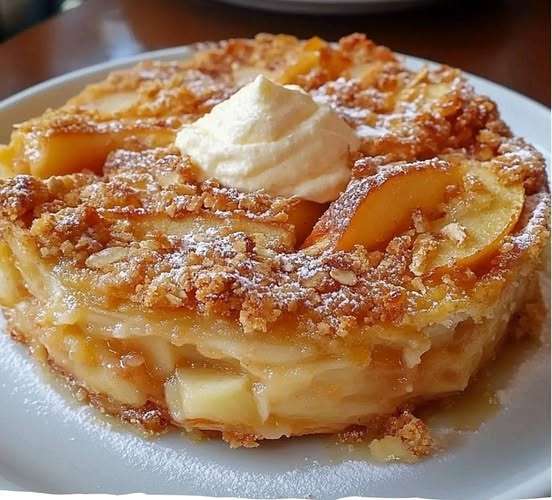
<point x="507" y="41"/>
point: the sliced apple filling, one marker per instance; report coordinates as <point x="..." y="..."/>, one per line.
<point x="463" y="213"/>
<point x="376" y="208"/>
<point x="221" y="383"/>
<point x="477" y="222"/>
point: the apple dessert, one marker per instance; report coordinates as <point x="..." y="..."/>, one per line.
<point x="271" y="238"/>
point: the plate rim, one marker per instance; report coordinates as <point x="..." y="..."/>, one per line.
<point x="535" y="486"/>
<point x="327" y="7"/>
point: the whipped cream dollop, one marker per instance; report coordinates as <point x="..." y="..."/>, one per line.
<point x="272" y="137"/>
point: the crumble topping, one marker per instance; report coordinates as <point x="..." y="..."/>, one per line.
<point x="145" y="230"/>
<point x="413" y="433"/>
<point x="215" y="271"/>
<point x="403" y="119"/>
<point x="387" y="435"/>
<point x="141" y="230"/>
<point x="77" y="225"/>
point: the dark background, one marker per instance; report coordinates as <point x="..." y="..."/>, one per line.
<point x="507" y="41"/>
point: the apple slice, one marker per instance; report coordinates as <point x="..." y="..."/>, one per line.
<point x="6" y="162"/>
<point x="303" y="216"/>
<point x="73" y="152"/>
<point x="477" y="221"/>
<point x="50" y="148"/>
<point x="308" y="59"/>
<point x="315" y="54"/>
<point x="374" y="209"/>
<point x="213" y="395"/>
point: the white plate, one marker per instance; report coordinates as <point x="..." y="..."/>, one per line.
<point x="50" y="443"/>
<point x="327" y="6"/>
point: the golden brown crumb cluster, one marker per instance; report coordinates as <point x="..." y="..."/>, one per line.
<point x="412" y="432"/>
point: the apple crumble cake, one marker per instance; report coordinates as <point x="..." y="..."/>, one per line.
<point x="271" y="238"/>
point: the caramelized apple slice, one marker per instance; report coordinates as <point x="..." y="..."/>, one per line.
<point x="6" y="162"/>
<point x="477" y="221"/>
<point x="308" y="59"/>
<point x="303" y="216"/>
<point x="374" y="209"/>
<point x="423" y="91"/>
<point x="67" y="153"/>
<point x="266" y="235"/>
<point x="306" y="62"/>
<point x="316" y="53"/>
<point x="60" y="143"/>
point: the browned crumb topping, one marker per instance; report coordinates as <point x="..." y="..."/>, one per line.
<point x="413" y="433"/>
<point x="408" y="116"/>
<point x="240" y="440"/>
<point x="221" y="271"/>
<point x="148" y="231"/>
<point x="151" y="417"/>
<point x="515" y="160"/>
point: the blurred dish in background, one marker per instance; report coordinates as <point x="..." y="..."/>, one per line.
<point x="327" y="6"/>
<point x="17" y="15"/>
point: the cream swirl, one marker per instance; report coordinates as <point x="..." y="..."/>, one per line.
<point x="272" y="137"/>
